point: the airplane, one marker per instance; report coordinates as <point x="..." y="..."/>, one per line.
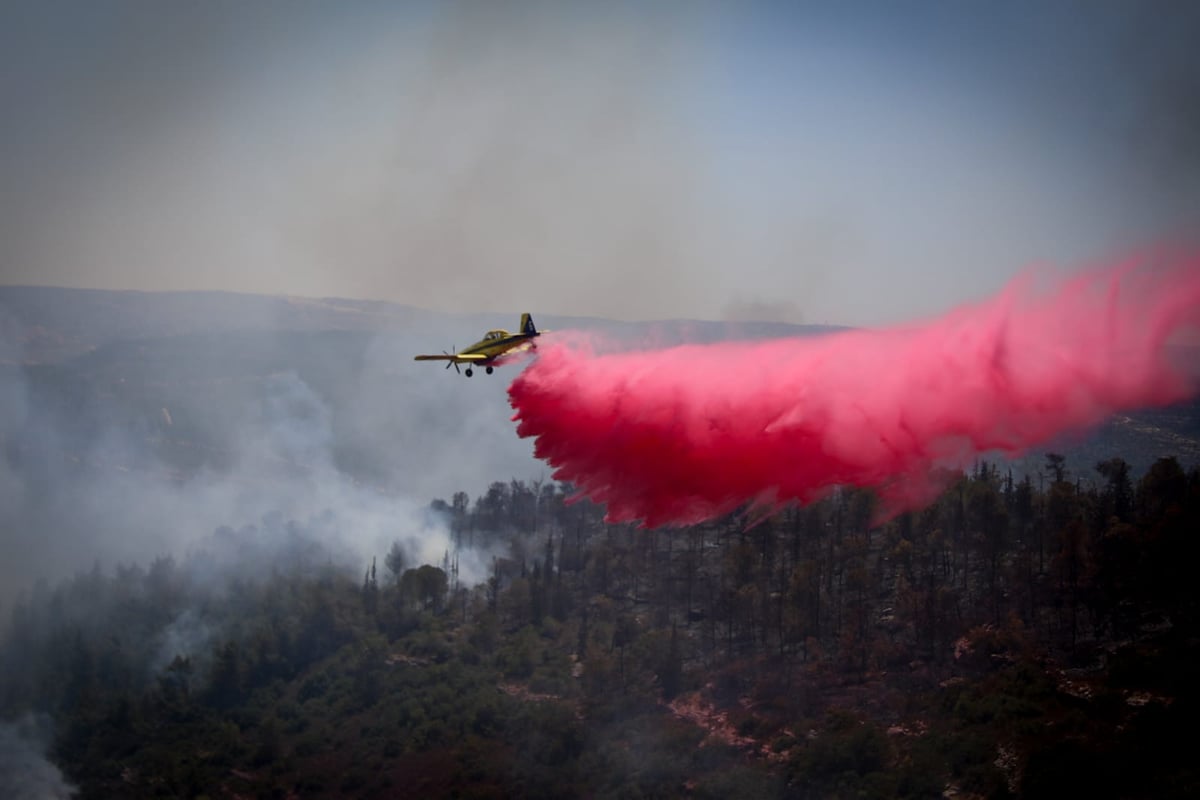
<point x="488" y="350"/>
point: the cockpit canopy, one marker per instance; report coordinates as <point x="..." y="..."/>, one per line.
<point x="493" y="335"/>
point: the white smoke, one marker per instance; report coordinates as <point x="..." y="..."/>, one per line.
<point x="25" y="773"/>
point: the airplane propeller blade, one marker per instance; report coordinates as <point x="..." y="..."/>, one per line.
<point x="452" y="363"/>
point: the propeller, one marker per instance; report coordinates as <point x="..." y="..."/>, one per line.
<point x="452" y="363"/>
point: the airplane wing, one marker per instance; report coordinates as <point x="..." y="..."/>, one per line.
<point x="464" y="358"/>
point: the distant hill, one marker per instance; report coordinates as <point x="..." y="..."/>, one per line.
<point x="40" y="324"/>
<point x="54" y="323"/>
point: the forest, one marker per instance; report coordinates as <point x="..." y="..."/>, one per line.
<point x="1031" y="636"/>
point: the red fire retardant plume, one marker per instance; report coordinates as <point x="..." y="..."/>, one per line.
<point x="681" y="435"/>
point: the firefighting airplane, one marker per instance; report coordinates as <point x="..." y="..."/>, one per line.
<point x="491" y="347"/>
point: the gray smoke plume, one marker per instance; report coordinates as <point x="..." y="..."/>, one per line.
<point x="72" y="499"/>
<point x="868" y="161"/>
<point x="25" y="773"/>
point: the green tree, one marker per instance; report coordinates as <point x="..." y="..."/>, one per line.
<point x="426" y="586"/>
<point x="394" y="561"/>
<point x="1118" y="492"/>
<point x="670" y="673"/>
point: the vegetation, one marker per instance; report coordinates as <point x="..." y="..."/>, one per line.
<point x="1032" y="637"/>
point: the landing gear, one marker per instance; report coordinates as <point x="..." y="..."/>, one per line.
<point x="469" y="372"/>
<point x="489" y="370"/>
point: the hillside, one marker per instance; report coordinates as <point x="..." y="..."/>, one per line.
<point x="224" y="574"/>
<point x="1004" y="642"/>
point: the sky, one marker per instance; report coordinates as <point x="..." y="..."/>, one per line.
<point x="858" y="163"/>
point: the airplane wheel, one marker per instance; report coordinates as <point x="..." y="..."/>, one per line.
<point x="469" y="373"/>
<point x="489" y="370"/>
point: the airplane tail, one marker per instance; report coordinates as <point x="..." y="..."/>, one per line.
<point x="527" y="325"/>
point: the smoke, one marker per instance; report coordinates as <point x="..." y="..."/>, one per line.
<point x="413" y="152"/>
<point x="25" y="774"/>
<point x="73" y="496"/>
<point x="681" y="435"/>
<point x="540" y="155"/>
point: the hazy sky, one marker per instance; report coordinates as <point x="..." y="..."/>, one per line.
<point x="855" y="163"/>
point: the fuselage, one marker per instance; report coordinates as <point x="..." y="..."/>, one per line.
<point x="496" y="343"/>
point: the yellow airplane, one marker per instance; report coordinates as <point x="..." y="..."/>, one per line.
<point x="489" y="350"/>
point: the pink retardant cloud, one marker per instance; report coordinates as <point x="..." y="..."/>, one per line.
<point x="685" y="434"/>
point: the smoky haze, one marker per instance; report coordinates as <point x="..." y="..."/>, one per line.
<point x="135" y="425"/>
<point x="858" y="165"/>
<point x="142" y="448"/>
<point x="25" y="774"/>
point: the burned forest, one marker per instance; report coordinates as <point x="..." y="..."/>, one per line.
<point x="1019" y="637"/>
